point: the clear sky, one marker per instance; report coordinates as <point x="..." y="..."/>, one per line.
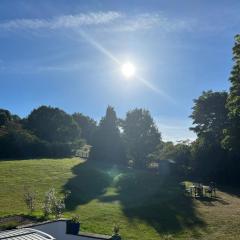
<point x="68" y="54"/>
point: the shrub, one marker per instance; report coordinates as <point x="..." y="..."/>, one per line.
<point x="30" y="199"/>
<point x="53" y="204"/>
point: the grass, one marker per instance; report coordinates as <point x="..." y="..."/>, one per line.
<point x="146" y="206"/>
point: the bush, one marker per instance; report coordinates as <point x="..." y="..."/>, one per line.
<point x="20" y="143"/>
<point x="53" y="204"/>
<point x="29" y="198"/>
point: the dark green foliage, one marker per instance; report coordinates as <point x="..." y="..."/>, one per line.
<point x="141" y="136"/>
<point x="182" y="157"/>
<point x="231" y="141"/>
<point x="18" y="143"/>
<point x="53" y="125"/>
<point x="210" y="115"/>
<point x="210" y="118"/>
<point x="107" y="143"/>
<point x="215" y="154"/>
<point x="23" y="144"/>
<point x="216" y="119"/>
<point x="87" y="125"/>
<point x="164" y="151"/>
<point x="177" y="156"/>
<point x="210" y="161"/>
<point x="232" y="132"/>
<point x="48" y="132"/>
<point x="5" y="117"/>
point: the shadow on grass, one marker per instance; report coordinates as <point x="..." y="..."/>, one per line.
<point x="87" y="184"/>
<point x="210" y="201"/>
<point x="234" y="191"/>
<point x="158" y="201"/>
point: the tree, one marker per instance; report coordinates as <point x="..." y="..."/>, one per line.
<point x="182" y="158"/>
<point x="88" y="126"/>
<point x="232" y="132"/>
<point x="53" y="125"/>
<point x="210" y="115"/>
<point x="5" y="117"/>
<point x="210" y="118"/>
<point x="210" y="161"/>
<point x="231" y="140"/>
<point x="19" y="143"/>
<point x="24" y="138"/>
<point x="141" y="136"/>
<point x="107" y="144"/>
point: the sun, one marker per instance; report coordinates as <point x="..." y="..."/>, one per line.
<point x="128" y="70"/>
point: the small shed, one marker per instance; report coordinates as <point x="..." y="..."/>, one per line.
<point x="165" y="166"/>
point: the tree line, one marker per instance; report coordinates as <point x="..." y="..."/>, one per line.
<point x="216" y="119"/>
<point x="135" y="140"/>
<point x="51" y="132"/>
<point x="215" y="154"/>
<point x="46" y="132"/>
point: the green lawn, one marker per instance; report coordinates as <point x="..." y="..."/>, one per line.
<point x="145" y="206"/>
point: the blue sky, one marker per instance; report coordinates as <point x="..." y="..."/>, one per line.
<point x="68" y="54"/>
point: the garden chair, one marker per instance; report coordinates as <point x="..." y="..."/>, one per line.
<point x="211" y="190"/>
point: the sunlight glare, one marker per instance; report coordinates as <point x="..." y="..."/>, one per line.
<point x="128" y="70"/>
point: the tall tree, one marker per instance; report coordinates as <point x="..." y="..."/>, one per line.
<point x="232" y="133"/>
<point x="231" y="139"/>
<point x="210" y="118"/>
<point x="88" y="126"/>
<point x="141" y="136"/>
<point x="107" y="144"/>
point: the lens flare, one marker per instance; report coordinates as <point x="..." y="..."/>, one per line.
<point x="128" y="70"/>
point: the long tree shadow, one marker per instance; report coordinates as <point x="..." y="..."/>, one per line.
<point x="158" y="201"/>
<point x="87" y="184"/>
<point x="234" y="191"/>
<point x="211" y="201"/>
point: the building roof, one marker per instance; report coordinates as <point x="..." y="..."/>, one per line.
<point x="57" y="229"/>
<point x="25" y="234"/>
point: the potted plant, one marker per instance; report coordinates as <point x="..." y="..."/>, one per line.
<point x="116" y="235"/>
<point x="73" y="225"/>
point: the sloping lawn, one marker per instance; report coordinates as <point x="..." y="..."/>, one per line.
<point x="146" y="206"/>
